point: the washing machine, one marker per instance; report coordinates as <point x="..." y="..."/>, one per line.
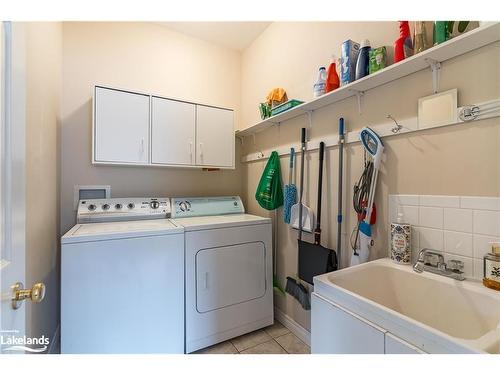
<point x="122" y="279"/>
<point x="228" y="274"/>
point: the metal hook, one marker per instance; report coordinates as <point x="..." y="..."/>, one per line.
<point x="396" y="129"/>
<point x="260" y="155"/>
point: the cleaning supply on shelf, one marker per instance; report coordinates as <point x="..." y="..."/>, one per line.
<point x="332" y="77"/>
<point x="441" y="33"/>
<point x="378" y="59"/>
<point x="420" y="37"/>
<point x="491" y="267"/>
<point x="348" y="59"/>
<point x="403" y="46"/>
<point x="363" y="62"/>
<point x="269" y="193"/>
<point x="401" y="241"/>
<point x="276" y="97"/>
<point x="319" y="87"/>
<point x="290" y="190"/>
<point x="285" y="106"/>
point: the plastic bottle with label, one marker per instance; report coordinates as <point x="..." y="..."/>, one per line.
<point x="319" y="87"/>
<point x="401" y="241"/>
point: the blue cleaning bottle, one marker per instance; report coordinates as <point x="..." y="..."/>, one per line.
<point x="363" y="63"/>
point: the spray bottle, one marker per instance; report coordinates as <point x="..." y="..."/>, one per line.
<point x="403" y="46"/>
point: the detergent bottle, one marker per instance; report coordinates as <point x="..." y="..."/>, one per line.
<point x="332" y="77"/>
<point x="319" y="86"/>
<point x="403" y="46"/>
<point x="363" y="62"/>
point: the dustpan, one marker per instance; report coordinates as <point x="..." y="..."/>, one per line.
<point x="315" y="259"/>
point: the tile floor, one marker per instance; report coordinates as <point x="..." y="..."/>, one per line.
<point x="275" y="339"/>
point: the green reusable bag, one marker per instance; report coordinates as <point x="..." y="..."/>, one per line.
<point x="269" y="193"/>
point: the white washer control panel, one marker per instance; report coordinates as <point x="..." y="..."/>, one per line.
<point x="120" y="209"/>
<point x="189" y="207"/>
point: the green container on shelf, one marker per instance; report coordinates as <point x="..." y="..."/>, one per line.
<point x="285" y="106"/>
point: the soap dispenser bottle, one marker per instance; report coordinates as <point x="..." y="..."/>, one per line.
<point x="491" y="267"/>
<point x="401" y="241"/>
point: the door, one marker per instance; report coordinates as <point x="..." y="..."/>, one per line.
<point x="121" y="126"/>
<point x="12" y="322"/>
<point x="334" y="330"/>
<point x="214" y="137"/>
<point x="172" y="132"/>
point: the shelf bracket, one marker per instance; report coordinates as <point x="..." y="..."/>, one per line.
<point x="435" y="69"/>
<point x="359" y="95"/>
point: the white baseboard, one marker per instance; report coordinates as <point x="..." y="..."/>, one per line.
<point x="293" y="326"/>
<point x="55" y="345"/>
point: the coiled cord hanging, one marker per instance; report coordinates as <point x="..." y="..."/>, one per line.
<point x="360" y="194"/>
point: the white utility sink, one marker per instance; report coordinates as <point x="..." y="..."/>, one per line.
<point x="436" y="311"/>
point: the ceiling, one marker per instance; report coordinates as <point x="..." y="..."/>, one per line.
<point x="235" y="35"/>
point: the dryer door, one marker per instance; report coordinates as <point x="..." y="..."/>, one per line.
<point x="229" y="275"/>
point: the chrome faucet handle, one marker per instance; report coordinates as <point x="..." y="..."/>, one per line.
<point x="456" y="266"/>
<point x="432" y="258"/>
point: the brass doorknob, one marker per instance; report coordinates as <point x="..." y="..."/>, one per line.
<point x="35" y="294"/>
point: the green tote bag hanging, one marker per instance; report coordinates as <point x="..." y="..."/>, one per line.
<point x="269" y="193"/>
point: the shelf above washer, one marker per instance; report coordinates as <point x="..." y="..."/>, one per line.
<point x="474" y="39"/>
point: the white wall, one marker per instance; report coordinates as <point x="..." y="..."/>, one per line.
<point x="459" y="160"/>
<point x="150" y="58"/>
<point x="43" y="88"/>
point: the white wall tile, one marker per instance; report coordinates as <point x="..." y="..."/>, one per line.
<point x="458" y="243"/>
<point x="405" y="199"/>
<point x="481" y="244"/>
<point x="487" y="222"/>
<point x="431" y="217"/>
<point x="457" y="219"/>
<point x="410" y="214"/>
<point x="440" y="201"/>
<point x="480" y="203"/>
<point x="430" y="238"/>
<point x="468" y="263"/>
<point x="478" y="269"/>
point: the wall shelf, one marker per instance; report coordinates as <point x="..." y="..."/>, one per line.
<point x="474" y="39"/>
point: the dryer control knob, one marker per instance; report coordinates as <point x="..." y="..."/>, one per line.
<point x="154" y="205"/>
<point x="131" y="205"/>
<point x="92" y="207"/>
<point x="105" y="207"/>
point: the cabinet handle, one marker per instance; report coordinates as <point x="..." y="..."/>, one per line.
<point x="201" y="150"/>
<point x="142" y="145"/>
<point x="191" y="151"/>
<point x="206" y="280"/>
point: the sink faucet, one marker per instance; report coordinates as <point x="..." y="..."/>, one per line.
<point x="432" y="261"/>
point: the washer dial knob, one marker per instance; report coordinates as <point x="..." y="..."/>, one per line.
<point x="92" y="207"/>
<point x="118" y="206"/>
<point x="131" y="205"/>
<point x="154" y="205"/>
<point x="105" y="207"/>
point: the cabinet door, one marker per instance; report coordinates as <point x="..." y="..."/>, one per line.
<point x="121" y="126"/>
<point x="334" y="330"/>
<point x="395" y="345"/>
<point x="214" y="137"/>
<point x="172" y="132"/>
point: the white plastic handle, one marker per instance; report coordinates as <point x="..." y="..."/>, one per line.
<point x="191" y="151"/>
<point x="201" y="150"/>
<point x="206" y="280"/>
<point x="142" y="145"/>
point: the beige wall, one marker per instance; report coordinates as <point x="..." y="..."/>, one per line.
<point x="43" y="81"/>
<point x="147" y="58"/>
<point x="457" y="160"/>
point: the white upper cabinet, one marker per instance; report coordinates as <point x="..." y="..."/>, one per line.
<point x="143" y="129"/>
<point x="214" y="137"/>
<point x="121" y="127"/>
<point x="173" y="126"/>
